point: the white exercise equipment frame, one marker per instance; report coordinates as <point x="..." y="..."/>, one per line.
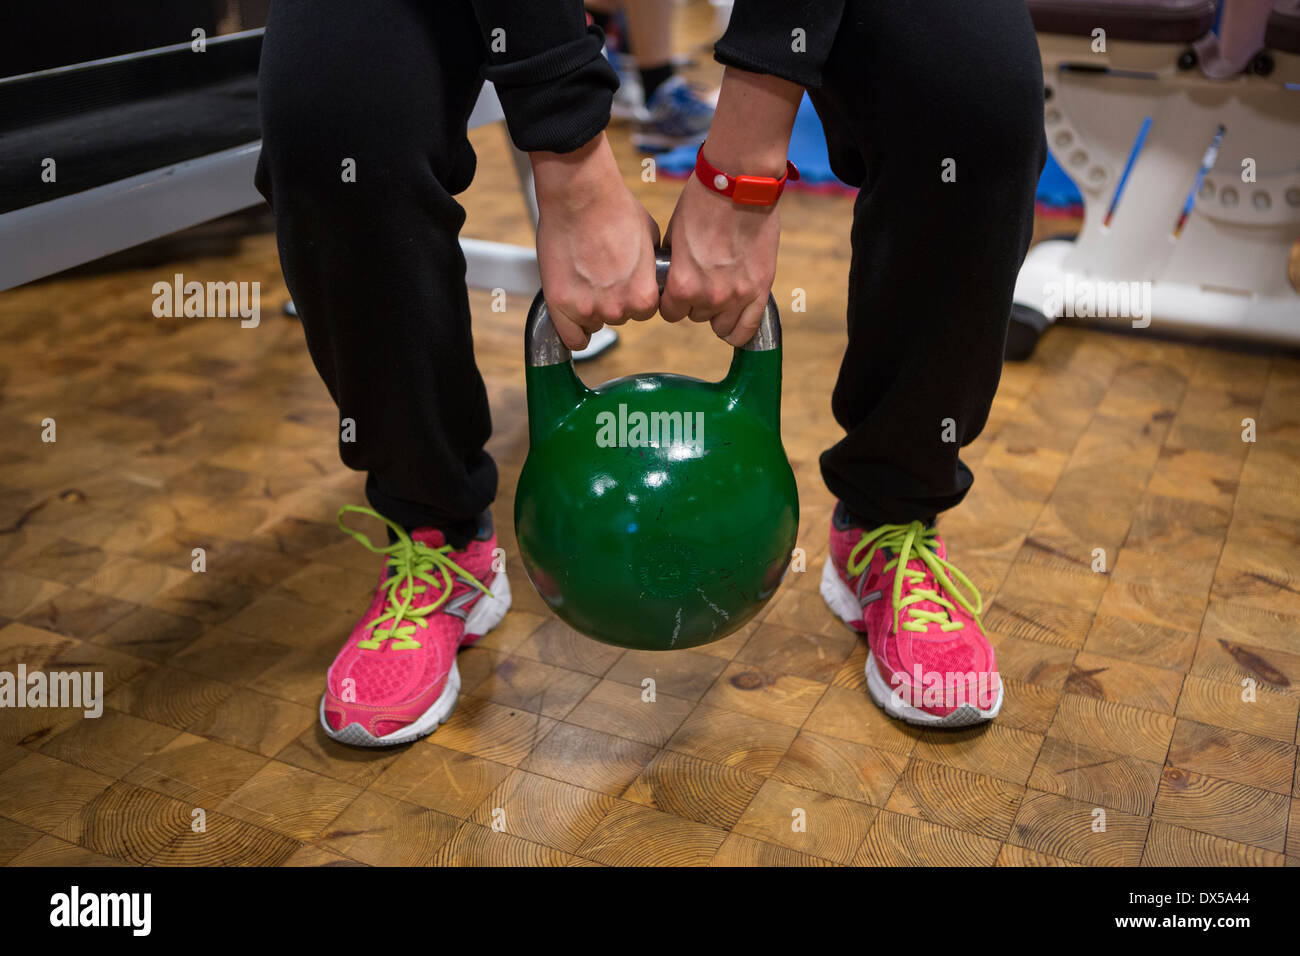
<point x="1227" y="271"/>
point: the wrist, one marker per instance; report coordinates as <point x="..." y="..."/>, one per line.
<point x="751" y="128"/>
<point x="746" y="159"/>
<point x="576" y="178"/>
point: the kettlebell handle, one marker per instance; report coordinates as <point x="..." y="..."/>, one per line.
<point x="543" y="346"/>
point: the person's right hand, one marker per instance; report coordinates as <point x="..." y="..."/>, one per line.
<point x="595" y="243"/>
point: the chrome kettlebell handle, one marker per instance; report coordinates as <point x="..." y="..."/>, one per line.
<point x="542" y="344"/>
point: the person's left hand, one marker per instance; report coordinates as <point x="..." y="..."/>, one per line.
<point x="723" y="262"/>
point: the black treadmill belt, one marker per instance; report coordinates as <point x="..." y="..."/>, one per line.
<point x="108" y="120"/>
<point x="106" y="145"/>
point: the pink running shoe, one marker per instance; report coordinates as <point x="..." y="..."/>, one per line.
<point x="395" y="679"/>
<point x="929" y="662"/>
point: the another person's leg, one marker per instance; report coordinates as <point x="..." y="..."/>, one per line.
<point x="364" y="110"/>
<point x="650" y="22"/>
<point x="673" y="113"/>
<point x="935" y="109"/>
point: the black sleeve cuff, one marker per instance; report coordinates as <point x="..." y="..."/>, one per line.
<point x="559" y="99"/>
<point x="761" y="38"/>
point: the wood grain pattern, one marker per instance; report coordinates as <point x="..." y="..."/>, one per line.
<point x="543" y="810"/>
<point x="227" y="842"/>
<point x="1128" y="730"/>
<point x="1019" y="856"/>
<point x="1137" y="685"/>
<point x="737" y="850"/>
<point x="955" y="798"/>
<point x="1096" y="776"/>
<point x="632" y="835"/>
<point x="1078" y="831"/>
<point x="899" y="840"/>
<point x="806" y="821"/>
<point x="1169" y="845"/>
<point x="1231" y="755"/>
<point x="733" y="740"/>
<point x="381" y="831"/>
<point x="1234" y="811"/>
<point x="841" y="768"/>
<point x="694" y="789"/>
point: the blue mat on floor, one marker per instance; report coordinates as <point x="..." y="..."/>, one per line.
<point x="1056" y="189"/>
<point x="808" y="152"/>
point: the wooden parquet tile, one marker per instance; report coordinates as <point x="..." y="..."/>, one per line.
<point x="1152" y="712"/>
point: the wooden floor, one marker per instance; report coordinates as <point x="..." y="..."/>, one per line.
<point x="1125" y="689"/>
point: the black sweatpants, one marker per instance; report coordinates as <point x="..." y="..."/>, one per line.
<point x="912" y="89"/>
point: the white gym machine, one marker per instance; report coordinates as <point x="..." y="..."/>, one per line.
<point x="1186" y="148"/>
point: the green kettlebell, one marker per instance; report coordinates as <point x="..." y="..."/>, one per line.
<point x="655" y="512"/>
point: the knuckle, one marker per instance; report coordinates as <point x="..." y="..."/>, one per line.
<point x="647" y="300"/>
<point x="567" y="302"/>
<point x="680" y="287"/>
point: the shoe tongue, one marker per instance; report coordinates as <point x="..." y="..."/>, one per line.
<point x="429" y="537"/>
<point x="914" y="561"/>
<point x="927" y="583"/>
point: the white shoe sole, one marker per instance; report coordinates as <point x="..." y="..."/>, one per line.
<point x="661" y="142"/>
<point x="603" y="339"/>
<point x="840" y="599"/>
<point x="487" y="613"/>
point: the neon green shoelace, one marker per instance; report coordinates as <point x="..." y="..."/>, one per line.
<point x="409" y="562"/>
<point x="908" y="541"/>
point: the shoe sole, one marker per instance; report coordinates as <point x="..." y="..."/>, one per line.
<point x="628" y="112"/>
<point x="487" y="613"/>
<point x="602" y="340"/>
<point x="662" y="142"/>
<point x="840" y="599"/>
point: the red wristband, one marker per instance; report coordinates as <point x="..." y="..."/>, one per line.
<point x="745" y="190"/>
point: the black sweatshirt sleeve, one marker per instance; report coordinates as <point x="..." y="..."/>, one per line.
<point x="791" y="39"/>
<point x="555" y="86"/>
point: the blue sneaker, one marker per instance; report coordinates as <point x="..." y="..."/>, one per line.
<point x="677" y="116"/>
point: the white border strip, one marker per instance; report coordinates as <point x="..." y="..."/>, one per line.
<point x="46" y="238"/>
